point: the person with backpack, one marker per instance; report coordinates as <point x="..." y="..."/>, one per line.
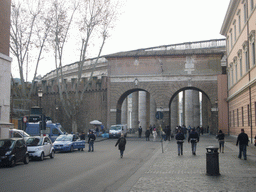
<point x="194" y="139"/>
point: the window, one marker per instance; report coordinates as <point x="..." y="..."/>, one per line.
<point x="252" y="4"/>
<point x="55" y="131"/>
<point x="234" y="118"/>
<point x="245" y="48"/>
<point x="248" y="114"/>
<point x="239" y="21"/>
<point x="240" y="63"/>
<point x="234" y="30"/>
<point x="231" y="38"/>
<point x="245" y="12"/>
<point x="242" y="116"/>
<point x="252" y="42"/>
<point x="227" y="44"/>
<point x="0" y="111"/>
<point x="235" y="69"/>
<point x="237" y="113"/>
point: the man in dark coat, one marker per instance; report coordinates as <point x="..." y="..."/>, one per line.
<point x="91" y="139"/>
<point x="194" y="138"/>
<point x="121" y="142"/>
<point x="140" y="131"/>
<point x="147" y="134"/>
<point x="243" y="140"/>
<point x="180" y="137"/>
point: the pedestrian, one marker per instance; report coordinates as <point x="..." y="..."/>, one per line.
<point x="154" y="134"/>
<point x="221" y="137"/>
<point x="147" y="134"/>
<point x="180" y="140"/>
<point x="168" y="133"/>
<point x="121" y="142"/>
<point x="243" y="140"/>
<point x="140" y="131"/>
<point x="194" y="138"/>
<point x="91" y="139"/>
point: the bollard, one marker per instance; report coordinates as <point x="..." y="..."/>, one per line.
<point x="212" y="161"/>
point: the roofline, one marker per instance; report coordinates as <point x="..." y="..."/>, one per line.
<point x="233" y="4"/>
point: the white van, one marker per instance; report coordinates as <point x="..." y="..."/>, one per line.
<point x="116" y="130"/>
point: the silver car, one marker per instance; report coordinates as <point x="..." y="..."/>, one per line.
<point x="40" y="147"/>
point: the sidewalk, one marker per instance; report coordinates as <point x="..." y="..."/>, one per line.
<point x="169" y="172"/>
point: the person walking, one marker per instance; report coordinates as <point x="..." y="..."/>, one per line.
<point x="154" y="134"/>
<point x="180" y="140"/>
<point x="91" y="139"/>
<point x="140" y="131"/>
<point x="194" y="138"/>
<point x="147" y="134"/>
<point x="242" y="140"/>
<point x="221" y="138"/>
<point x="121" y="142"/>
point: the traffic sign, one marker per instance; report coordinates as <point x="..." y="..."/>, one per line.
<point x="159" y="115"/>
<point x="25" y="119"/>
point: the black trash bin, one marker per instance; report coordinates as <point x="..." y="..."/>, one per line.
<point x="212" y="161"/>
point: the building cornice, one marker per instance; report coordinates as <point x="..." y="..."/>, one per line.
<point x="232" y="9"/>
<point x="5" y="57"/>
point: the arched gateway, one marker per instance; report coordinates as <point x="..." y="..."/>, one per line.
<point x="163" y="72"/>
<point x="185" y="82"/>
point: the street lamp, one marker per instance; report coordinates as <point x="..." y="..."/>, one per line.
<point x="40" y="95"/>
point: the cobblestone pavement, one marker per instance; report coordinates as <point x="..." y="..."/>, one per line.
<point x="169" y="172"/>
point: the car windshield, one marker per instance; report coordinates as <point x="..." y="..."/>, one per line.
<point x="34" y="141"/>
<point x="7" y="144"/>
<point x="115" y="128"/>
<point x="64" y="138"/>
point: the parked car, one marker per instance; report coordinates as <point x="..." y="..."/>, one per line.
<point x="68" y="143"/>
<point x="40" y="147"/>
<point x="17" y="133"/>
<point x="12" y="151"/>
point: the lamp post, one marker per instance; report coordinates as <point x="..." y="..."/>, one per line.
<point x="40" y="95"/>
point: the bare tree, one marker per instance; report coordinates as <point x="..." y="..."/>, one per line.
<point x="30" y="26"/>
<point x="93" y="20"/>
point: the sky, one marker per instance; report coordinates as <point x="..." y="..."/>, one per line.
<point x="149" y="23"/>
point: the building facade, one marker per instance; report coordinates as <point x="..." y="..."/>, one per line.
<point x="5" y="63"/>
<point x="131" y="87"/>
<point x="239" y="28"/>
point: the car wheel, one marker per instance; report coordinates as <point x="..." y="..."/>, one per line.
<point x="26" y="159"/>
<point x="12" y="162"/>
<point x="41" y="158"/>
<point x="71" y="149"/>
<point x="52" y="154"/>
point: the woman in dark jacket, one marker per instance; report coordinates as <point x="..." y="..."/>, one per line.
<point x="121" y="142"/>
<point x="221" y="138"/>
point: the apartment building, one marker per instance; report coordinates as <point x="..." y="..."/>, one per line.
<point x="5" y="63"/>
<point x="239" y="27"/>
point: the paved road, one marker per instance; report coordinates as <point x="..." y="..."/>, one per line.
<point x="102" y="170"/>
<point x="169" y="172"/>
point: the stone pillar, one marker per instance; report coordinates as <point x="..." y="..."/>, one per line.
<point x="205" y="111"/>
<point x="147" y="109"/>
<point x="183" y="109"/>
<point x="142" y="110"/>
<point x="196" y="107"/>
<point x="152" y="111"/>
<point x="124" y="112"/>
<point x="189" y="112"/>
<point x="174" y="113"/>
<point x="135" y="105"/>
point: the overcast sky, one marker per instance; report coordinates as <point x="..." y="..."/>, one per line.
<point x="149" y="23"/>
